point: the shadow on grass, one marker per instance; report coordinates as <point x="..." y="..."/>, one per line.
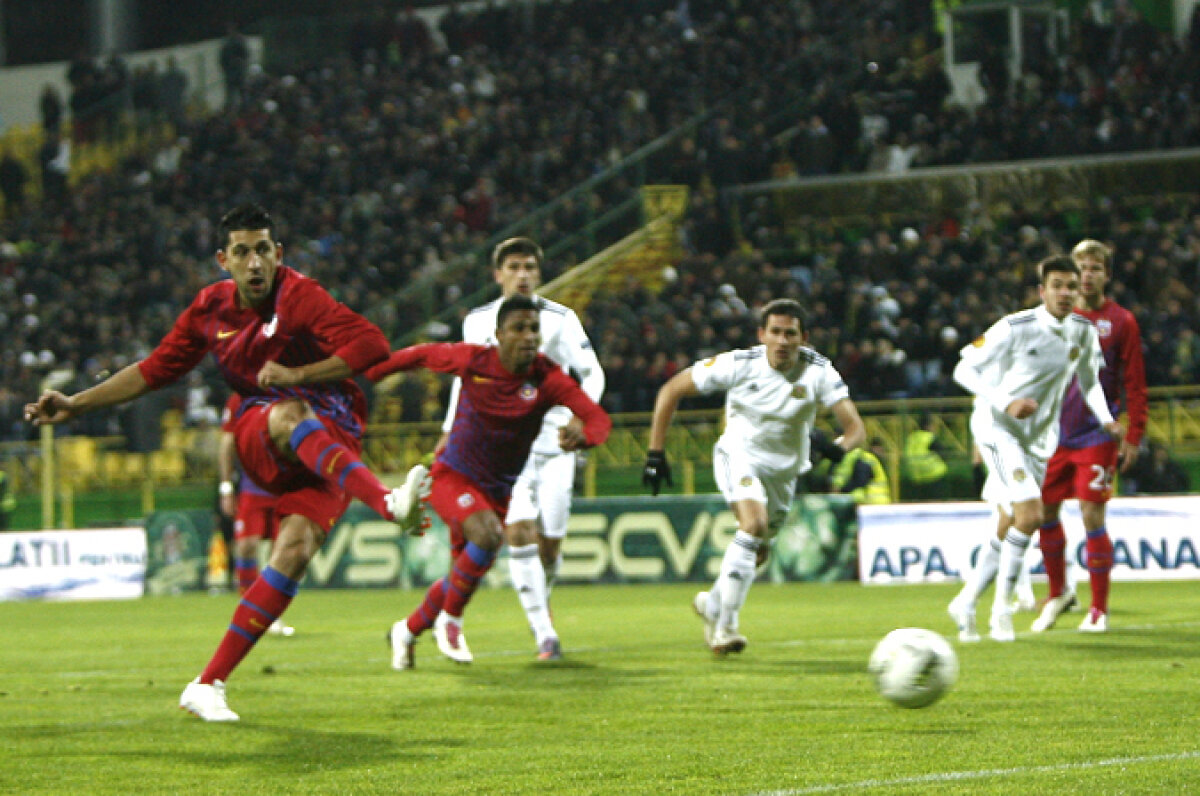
<point x="290" y="750"/>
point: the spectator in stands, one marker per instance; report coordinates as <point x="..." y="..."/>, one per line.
<point x="12" y="182"/>
<point x="50" y="105"/>
<point x="235" y="66"/>
<point x="172" y="93"/>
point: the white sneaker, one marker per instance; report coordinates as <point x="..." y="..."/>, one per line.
<point x="700" y="606"/>
<point x="1001" y="627"/>
<point x="207" y="701"/>
<point x="1052" y="610"/>
<point x="450" y="639"/>
<point x="964" y="617"/>
<point x="402" y="642"/>
<point x="726" y="640"/>
<point x="278" y="628"/>
<point x="405" y="501"/>
<point x="1094" y="622"/>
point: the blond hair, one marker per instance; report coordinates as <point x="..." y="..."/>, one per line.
<point x="1095" y="250"/>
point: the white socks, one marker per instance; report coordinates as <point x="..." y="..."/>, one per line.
<point x="984" y="572"/>
<point x="529" y="580"/>
<point x="1012" y="554"/>
<point x="736" y="578"/>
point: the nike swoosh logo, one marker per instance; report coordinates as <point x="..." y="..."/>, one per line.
<point x="482" y="379"/>
<point x="222" y="334"/>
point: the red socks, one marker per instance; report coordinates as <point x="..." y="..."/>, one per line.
<point x="470" y="566"/>
<point x="1099" y="563"/>
<point x="262" y="604"/>
<point x="1054" y="544"/>
<point x="334" y="462"/>
<point x="246" y="571"/>
<point x="421" y="619"/>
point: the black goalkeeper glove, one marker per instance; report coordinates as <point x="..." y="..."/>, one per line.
<point x="655" y="471"/>
<point x="820" y="442"/>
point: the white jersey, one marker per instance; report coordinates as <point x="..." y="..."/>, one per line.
<point x="1031" y="354"/>
<point x="768" y="413"/>
<point x="563" y="340"/>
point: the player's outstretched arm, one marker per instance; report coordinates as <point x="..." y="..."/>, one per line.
<point x="56" y="407"/>
<point x="656" y="470"/>
<point x="854" y="431"/>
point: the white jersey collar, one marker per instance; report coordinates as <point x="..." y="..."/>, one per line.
<point x="1054" y="325"/>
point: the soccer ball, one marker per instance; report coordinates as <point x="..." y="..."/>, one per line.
<point x="913" y="667"/>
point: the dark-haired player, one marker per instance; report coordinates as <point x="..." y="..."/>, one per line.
<point x="773" y="392"/>
<point x="1087" y="457"/>
<point x="288" y="349"/>
<point x="507" y="389"/>
<point x="1018" y="371"/>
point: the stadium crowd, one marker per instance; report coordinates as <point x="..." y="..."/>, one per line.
<point x="398" y="158"/>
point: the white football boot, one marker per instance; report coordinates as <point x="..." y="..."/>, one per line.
<point x="207" y="701"/>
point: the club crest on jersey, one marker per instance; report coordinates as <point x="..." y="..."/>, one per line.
<point x="269" y="329"/>
<point x="746" y="481"/>
<point x="1018" y="475"/>
<point x="1104" y="327"/>
<point x="978" y="342"/>
<point x="800" y="391"/>
<point x="528" y="392"/>
<point x="708" y="363"/>
<point x="1074" y="353"/>
<point x="466" y="500"/>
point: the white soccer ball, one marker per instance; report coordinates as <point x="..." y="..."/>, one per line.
<point x="913" y="667"/>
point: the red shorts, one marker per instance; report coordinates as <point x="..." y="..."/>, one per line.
<point x="455" y="498"/>
<point x="1083" y="473"/>
<point x="255" y="517"/>
<point x="300" y="490"/>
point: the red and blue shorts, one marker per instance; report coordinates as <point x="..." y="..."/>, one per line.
<point x="1083" y="473"/>
<point x="298" y="489"/>
<point x="455" y="498"/>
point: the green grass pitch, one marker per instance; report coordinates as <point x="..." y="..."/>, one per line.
<point x="89" y="694"/>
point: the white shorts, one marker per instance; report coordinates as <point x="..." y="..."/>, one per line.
<point x="543" y="490"/>
<point x="1014" y="474"/>
<point x="738" y="479"/>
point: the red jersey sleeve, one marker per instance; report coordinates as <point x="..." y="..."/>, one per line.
<point x="341" y="330"/>
<point x="1134" y="375"/>
<point x="180" y="351"/>
<point x="562" y="390"/>
<point x="442" y="357"/>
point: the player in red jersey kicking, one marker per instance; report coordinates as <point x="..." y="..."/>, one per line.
<point x="288" y="349"/>
<point x="1086" y="459"/>
<point x="506" y="391"/>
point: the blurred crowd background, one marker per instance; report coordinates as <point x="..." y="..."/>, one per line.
<point x="393" y="157"/>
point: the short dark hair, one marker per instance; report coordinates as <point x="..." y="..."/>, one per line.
<point x="513" y="304"/>
<point x="245" y="217"/>
<point x="520" y="246"/>
<point x="1056" y="263"/>
<point x="789" y="307"/>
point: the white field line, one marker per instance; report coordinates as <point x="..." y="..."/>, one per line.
<point x="987" y="773"/>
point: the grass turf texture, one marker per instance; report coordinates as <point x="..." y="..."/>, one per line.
<point x="89" y="696"/>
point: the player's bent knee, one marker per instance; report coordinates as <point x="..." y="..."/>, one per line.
<point x="284" y="416"/>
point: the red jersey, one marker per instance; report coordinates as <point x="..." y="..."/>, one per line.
<point x="499" y="414"/>
<point x="1121" y="342"/>
<point x="299" y="324"/>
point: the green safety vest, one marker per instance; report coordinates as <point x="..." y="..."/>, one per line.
<point x="923" y="464"/>
<point x="877" y="489"/>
